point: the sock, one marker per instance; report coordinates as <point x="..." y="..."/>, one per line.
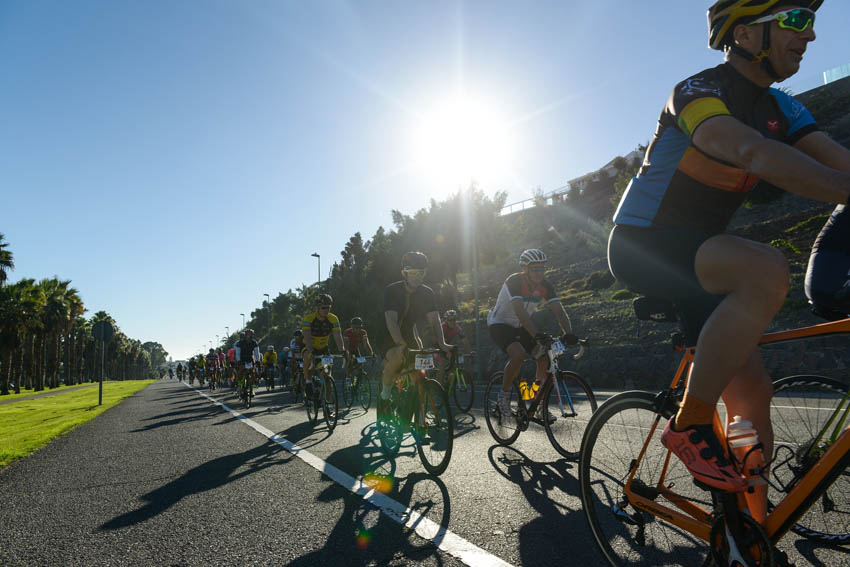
<point x="693" y="412"/>
<point x="503" y="395"/>
<point x="385" y="393"/>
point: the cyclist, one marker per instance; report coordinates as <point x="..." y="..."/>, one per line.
<point x="283" y="362"/>
<point x="721" y="131"/>
<point x="212" y="364"/>
<point x="353" y="337"/>
<point x="407" y="303"/>
<point x="317" y="328"/>
<point x="170" y="373"/>
<point x="828" y="274"/>
<point x="222" y="364"/>
<point x="180" y="371"/>
<point x="191" y="365"/>
<point x="453" y="332"/>
<point x="512" y="329"/>
<point x="247" y="351"/>
<point x="269" y="362"/>
<point x="296" y="348"/>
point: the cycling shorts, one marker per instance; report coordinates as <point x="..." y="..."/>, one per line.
<point x="659" y="262"/>
<point x="505" y="335"/>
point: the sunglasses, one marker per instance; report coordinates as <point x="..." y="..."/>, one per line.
<point x="797" y="19"/>
<point x="414" y="271"/>
<point x="537" y="269"/>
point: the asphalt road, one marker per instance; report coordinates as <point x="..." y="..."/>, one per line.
<point x="169" y="478"/>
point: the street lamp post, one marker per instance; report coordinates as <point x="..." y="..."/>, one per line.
<point x="269" y="308"/>
<point x="243" y="321"/>
<point x="227" y="336"/>
<point x="217" y="341"/>
<point x="318" y="258"/>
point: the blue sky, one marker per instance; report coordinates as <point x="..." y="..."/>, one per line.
<point x="177" y="160"/>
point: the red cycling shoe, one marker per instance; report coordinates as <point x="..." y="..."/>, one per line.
<point x="700" y="451"/>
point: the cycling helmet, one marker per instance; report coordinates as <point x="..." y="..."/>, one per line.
<point x="724" y="15"/>
<point x="242" y="335"/>
<point x="286" y="349"/>
<point x="356" y="322"/>
<point x="324" y="299"/>
<point x="532" y="256"/>
<point x="249" y="331"/>
<point x="451" y="314"/>
<point x="270" y="348"/>
<point x="298" y="333"/>
<point x="414" y="259"/>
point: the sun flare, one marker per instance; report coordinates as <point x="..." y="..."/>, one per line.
<point x="460" y="141"/>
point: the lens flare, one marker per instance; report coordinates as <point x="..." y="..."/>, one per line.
<point x="363" y="539"/>
<point x="381" y="483"/>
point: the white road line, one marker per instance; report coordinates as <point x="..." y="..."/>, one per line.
<point x="425" y="528"/>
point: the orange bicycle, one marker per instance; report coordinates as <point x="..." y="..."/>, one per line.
<point x="644" y="508"/>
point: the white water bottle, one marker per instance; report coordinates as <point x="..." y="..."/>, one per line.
<point x="742" y="438"/>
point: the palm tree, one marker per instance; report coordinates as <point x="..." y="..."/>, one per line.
<point x="7" y="262"/>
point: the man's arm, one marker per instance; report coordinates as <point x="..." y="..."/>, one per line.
<point x="392" y="326"/>
<point x="340" y="344"/>
<point x="824" y="149"/>
<point x="368" y="345"/>
<point x="437" y="328"/>
<point x="730" y="140"/>
<point x="308" y="339"/>
<point x="561" y="315"/>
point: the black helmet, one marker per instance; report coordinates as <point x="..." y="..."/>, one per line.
<point x="324" y="299"/>
<point x="356" y="322"/>
<point x="242" y="335"/>
<point x="414" y="259"/>
<point x="298" y="333"/>
<point x="724" y="15"/>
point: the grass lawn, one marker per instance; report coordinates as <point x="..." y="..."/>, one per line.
<point x="62" y="388"/>
<point x="29" y="425"/>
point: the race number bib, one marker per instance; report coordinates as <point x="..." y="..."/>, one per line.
<point x="361" y="359"/>
<point x="557" y="348"/>
<point x="327" y="361"/>
<point x="424" y="362"/>
<point x="249" y="365"/>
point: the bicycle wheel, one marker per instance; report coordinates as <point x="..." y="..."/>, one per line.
<point x="571" y="402"/>
<point x="503" y="428"/>
<point x="435" y="443"/>
<point x="311" y="404"/>
<point x="613" y="440"/>
<point x="330" y="405"/>
<point x="364" y="392"/>
<point x="390" y="424"/>
<point x="347" y="394"/>
<point x="464" y="390"/>
<point x="800" y="409"/>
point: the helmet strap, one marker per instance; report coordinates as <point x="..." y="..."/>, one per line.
<point x="762" y="57"/>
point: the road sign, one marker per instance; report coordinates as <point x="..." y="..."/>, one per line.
<point x="102" y="331"/>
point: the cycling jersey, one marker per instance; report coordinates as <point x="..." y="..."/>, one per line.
<point x="221" y="359"/>
<point x="450" y="333"/>
<point x="320" y="329"/>
<point x="295" y="348"/>
<point x="518" y="286"/>
<point x="212" y="360"/>
<point x="248" y="351"/>
<point x="679" y="185"/>
<point x="412" y="308"/>
<point x="270" y="358"/>
<point x="231" y="354"/>
<point x="354" y="337"/>
<point x="828" y="275"/>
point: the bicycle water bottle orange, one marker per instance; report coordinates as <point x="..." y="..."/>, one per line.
<point x="743" y="440"/>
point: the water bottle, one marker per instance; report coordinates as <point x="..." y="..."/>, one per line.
<point x="742" y="437"/>
<point x="524" y="391"/>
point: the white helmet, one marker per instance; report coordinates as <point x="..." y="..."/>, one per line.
<point x="532" y="256"/>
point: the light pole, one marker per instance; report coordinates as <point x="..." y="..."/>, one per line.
<point x="243" y="321"/>
<point x="319" y="271"/>
<point x="227" y="336"/>
<point x="217" y="341"/>
<point x="269" y="308"/>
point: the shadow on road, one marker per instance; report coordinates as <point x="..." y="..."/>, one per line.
<point x="208" y="476"/>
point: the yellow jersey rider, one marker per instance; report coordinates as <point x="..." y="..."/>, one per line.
<point x="317" y="327"/>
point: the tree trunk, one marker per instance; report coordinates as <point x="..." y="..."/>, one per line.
<point x="7" y="373"/>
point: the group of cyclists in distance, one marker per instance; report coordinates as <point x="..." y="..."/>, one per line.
<point x="721" y="131"/>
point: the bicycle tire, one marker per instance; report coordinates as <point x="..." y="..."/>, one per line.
<point x="311" y="404"/>
<point x="797" y="419"/>
<point x="436" y="452"/>
<point x="347" y="394"/>
<point x="612" y="442"/>
<point x="565" y="433"/>
<point x="364" y="392"/>
<point x="503" y="429"/>
<point x="390" y="426"/>
<point x="463" y="391"/>
<point x="330" y="408"/>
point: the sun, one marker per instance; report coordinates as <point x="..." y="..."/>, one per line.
<point x="461" y="140"/>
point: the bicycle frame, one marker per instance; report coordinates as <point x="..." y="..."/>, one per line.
<point x="805" y="490"/>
